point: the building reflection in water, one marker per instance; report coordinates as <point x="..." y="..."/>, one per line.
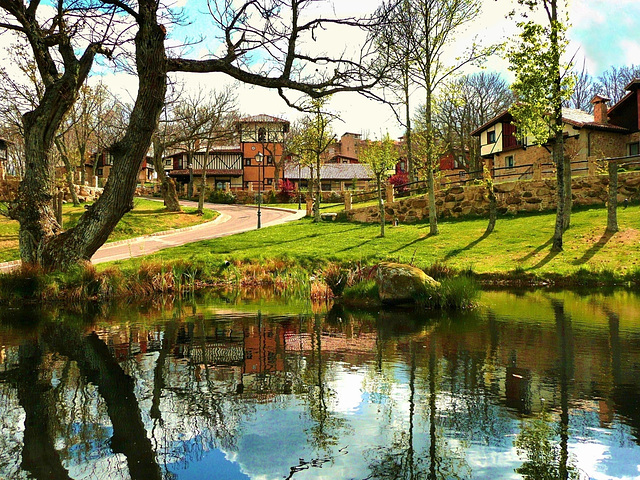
<point x="358" y="395"/>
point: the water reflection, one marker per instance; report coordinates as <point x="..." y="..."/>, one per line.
<point x="536" y="385"/>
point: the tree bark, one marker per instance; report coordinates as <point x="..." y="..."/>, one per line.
<point x="380" y="204"/>
<point x="558" y="145"/>
<point x="167" y="184"/>
<point x="612" y="203"/>
<point x="318" y="188"/>
<point x="492" y="210"/>
<point x="60" y="251"/>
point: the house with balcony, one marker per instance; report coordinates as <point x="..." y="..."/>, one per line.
<point x="249" y="164"/>
<point x="608" y="133"/>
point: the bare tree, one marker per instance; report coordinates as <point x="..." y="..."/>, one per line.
<point x="279" y="35"/>
<point x="613" y="81"/>
<point x="464" y="104"/>
<point x="436" y="24"/>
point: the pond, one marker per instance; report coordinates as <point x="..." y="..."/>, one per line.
<point x="534" y="385"/>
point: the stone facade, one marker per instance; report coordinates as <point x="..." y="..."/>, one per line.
<point x="512" y="197"/>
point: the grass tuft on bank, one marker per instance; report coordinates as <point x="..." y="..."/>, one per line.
<point x="327" y="259"/>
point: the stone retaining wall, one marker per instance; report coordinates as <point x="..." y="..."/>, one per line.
<point x="512" y="197"/>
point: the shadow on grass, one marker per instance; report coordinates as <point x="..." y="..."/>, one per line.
<point x="458" y="251"/>
<point x="550" y="256"/>
<point x="417" y="240"/>
<point x="536" y="251"/>
<point x="589" y="254"/>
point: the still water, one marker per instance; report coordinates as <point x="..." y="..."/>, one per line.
<point x="537" y="385"/>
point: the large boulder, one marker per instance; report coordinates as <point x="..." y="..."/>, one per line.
<point x="399" y="283"/>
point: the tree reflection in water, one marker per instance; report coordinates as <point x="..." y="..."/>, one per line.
<point x="385" y="396"/>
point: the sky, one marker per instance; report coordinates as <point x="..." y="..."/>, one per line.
<point x="603" y="33"/>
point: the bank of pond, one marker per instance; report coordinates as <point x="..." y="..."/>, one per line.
<point x="436" y="286"/>
<point x="529" y="384"/>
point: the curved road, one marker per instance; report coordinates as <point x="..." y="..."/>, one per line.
<point x="232" y="219"/>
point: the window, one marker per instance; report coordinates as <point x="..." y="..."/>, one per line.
<point x="247" y="162"/>
<point x="269" y="181"/>
<point x="99" y="172"/>
<point x="262" y="134"/>
<point x="634" y="149"/>
<point x="491" y="136"/>
<point x="508" y="161"/>
<point x="269" y="159"/>
<point x="402" y="166"/>
<point x="326" y="187"/>
<point x="168" y="162"/>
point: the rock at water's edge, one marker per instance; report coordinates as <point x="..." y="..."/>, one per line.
<point x="399" y="283"/>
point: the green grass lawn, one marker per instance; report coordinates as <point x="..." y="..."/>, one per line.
<point x="520" y="243"/>
<point x="147" y="217"/>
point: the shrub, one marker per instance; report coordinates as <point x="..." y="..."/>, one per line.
<point x="287" y="190"/>
<point x="221" y="196"/>
<point x="399" y="179"/>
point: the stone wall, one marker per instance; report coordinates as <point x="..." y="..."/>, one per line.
<point x="512" y="197"/>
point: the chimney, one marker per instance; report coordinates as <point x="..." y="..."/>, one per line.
<point x="600" y="109"/>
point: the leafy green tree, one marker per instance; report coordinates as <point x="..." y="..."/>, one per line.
<point x="313" y="138"/>
<point x="395" y="39"/>
<point x="542" y="84"/>
<point x="436" y="24"/>
<point x="381" y="156"/>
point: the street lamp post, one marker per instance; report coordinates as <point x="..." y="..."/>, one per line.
<point x="259" y="161"/>
<point x="299" y="181"/>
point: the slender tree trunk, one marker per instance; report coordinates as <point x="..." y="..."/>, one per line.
<point x="190" y="167"/>
<point x="612" y="203"/>
<point x="558" y="146"/>
<point x="492" y="209"/>
<point x="316" y="205"/>
<point x="568" y="201"/>
<point x="70" y="171"/>
<point x="167" y="184"/>
<point x="433" y="214"/>
<point x="411" y="170"/>
<point x="203" y="189"/>
<point x="380" y="204"/>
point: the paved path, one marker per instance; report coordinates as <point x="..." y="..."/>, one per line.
<point x="232" y="219"/>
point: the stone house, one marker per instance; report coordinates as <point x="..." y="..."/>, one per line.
<point x="608" y="133"/>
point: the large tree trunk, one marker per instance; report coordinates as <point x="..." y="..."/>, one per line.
<point x="167" y="184"/>
<point x="61" y="251"/>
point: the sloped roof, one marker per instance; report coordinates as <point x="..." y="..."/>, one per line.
<point x="332" y="171"/>
<point x="262" y="118"/>
<point x="577" y="118"/>
<point x="581" y="119"/>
